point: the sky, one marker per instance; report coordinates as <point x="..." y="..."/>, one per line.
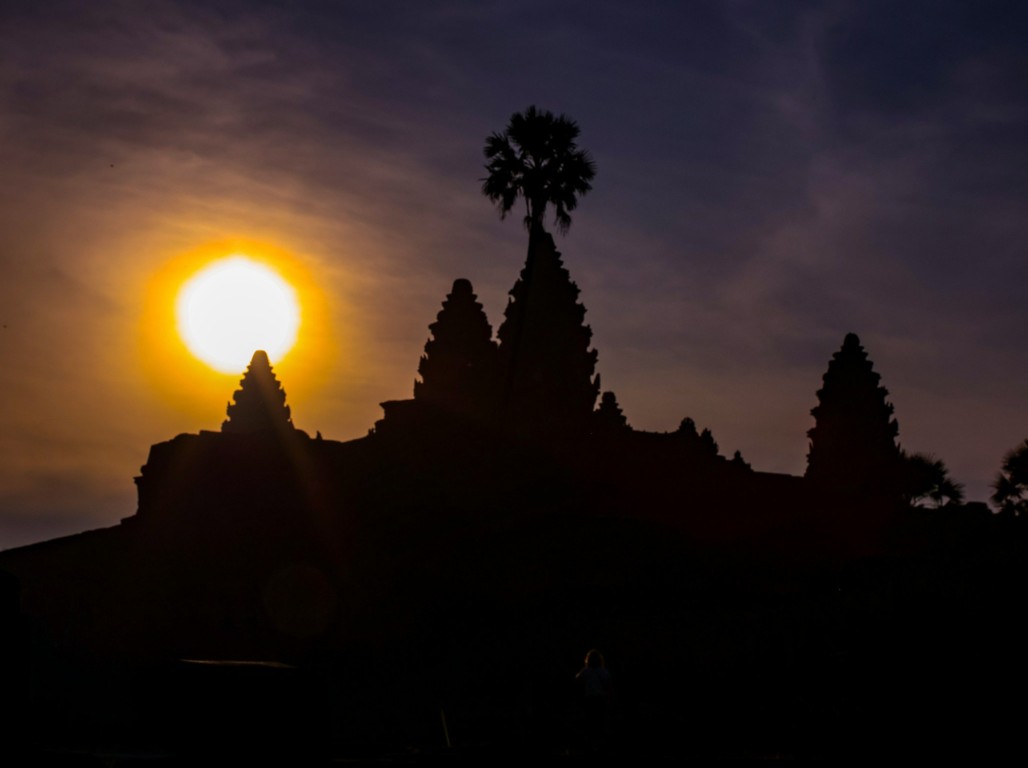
<point x="770" y="176"/>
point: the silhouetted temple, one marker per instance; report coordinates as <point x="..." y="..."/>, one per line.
<point x="544" y="344"/>
<point x="853" y="446"/>
<point x="540" y="381"/>
<point x="460" y="368"/>
<point x="502" y="514"/>
<point x="260" y="402"/>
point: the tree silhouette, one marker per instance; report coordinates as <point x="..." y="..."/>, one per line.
<point x="459" y="370"/>
<point x="544" y="344"/>
<point x="853" y="442"/>
<point x="260" y="401"/>
<point x="536" y="158"/>
<point x="1011" y="486"/>
<point x="926" y="479"/>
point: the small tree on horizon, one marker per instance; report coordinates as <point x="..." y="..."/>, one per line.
<point x="1011" y="485"/>
<point x="926" y="479"/>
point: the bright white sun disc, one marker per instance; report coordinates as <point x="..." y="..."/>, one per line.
<point x="232" y="308"/>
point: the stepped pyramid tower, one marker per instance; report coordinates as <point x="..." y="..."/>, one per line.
<point x="549" y="369"/>
<point x="260" y="401"/>
<point x="853" y="441"/>
<point x="609" y="419"/>
<point x="459" y="370"/>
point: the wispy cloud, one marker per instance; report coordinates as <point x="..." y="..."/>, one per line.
<point x="770" y="177"/>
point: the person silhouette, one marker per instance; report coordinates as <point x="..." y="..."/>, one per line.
<point x="594" y="681"/>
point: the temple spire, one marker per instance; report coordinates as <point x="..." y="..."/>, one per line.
<point x="853" y="441"/>
<point x="260" y="401"/>
<point x="545" y="351"/>
<point x="459" y="370"/>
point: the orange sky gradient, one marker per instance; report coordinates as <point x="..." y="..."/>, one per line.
<point x="759" y="194"/>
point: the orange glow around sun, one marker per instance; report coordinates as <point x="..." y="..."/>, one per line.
<point x="208" y="310"/>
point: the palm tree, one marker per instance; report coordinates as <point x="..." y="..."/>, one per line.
<point x="544" y="345"/>
<point x="1011" y="496"/>
<point x="927" y="481"/>
<point x="536" y="158"/>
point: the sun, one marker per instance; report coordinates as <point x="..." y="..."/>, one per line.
<point x="233" y="307"/>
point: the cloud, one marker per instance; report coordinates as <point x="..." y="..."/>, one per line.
<point x="770" y="177"/>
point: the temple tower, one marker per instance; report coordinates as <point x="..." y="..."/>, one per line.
<point x="260" y="401"/>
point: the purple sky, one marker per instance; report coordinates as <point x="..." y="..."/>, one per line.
<point x="770" y="176"/>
